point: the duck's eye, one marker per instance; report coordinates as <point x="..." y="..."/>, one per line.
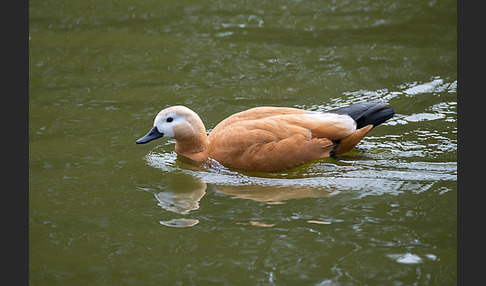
<point x="170" y="119"/>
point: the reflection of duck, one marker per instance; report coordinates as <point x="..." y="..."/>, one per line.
<point x="269" y="138"/>
<point x="181" y="194"/>
<point x="272" y="194"/>
<point x="181" y="202"/>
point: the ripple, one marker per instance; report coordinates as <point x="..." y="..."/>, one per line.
<point x="407" y="258"/>
<point x="437" y="86"/>
<point x="180" y="222"/>
<point x="369" y="177"/>
<point x="416" y="117"/>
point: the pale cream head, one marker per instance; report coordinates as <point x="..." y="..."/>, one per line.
<point x="179" y="122"/>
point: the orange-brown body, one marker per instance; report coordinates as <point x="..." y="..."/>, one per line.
<point x="265" y="139"/>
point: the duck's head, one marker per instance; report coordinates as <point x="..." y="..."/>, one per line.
<point x="178" y="122"/>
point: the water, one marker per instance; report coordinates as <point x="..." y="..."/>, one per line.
<point x="105" y="211"/>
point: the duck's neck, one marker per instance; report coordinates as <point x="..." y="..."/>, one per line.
<point x="195" y="148"/>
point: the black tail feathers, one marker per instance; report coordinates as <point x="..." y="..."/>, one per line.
<point x="376" y="117"/>
<point x="372" y="112"/>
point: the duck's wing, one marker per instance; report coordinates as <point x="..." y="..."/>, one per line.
<point x="260" y="150"/>
<point x="277" y="142"/>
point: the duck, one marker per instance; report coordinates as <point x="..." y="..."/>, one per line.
<point x="267" y="138"/>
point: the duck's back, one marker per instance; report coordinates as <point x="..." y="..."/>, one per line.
<point x="255" y="114"/>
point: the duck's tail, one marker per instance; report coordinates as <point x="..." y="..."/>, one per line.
<point x="372" y="112"/>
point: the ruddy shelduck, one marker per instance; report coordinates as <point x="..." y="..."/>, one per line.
<point x="269" y="139"/>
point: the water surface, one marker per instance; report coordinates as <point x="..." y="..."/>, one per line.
<point x="105" y="211"/>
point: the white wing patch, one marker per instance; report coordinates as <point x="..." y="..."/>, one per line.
<point x="340" y="119"/>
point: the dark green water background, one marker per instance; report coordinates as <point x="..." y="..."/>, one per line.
<point x="105" y="211"/>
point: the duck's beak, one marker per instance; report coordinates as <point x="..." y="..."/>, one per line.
<point x="151" y="135"/>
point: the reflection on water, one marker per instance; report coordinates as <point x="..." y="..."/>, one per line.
<point x="181" y="202"/>
<point x="181" y="194"/>
<point x="272" y="194"/>
<point x="180" y="222"/>
<point x="409" y="258"/>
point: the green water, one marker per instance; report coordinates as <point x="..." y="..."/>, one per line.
<point x="105" y="211"/>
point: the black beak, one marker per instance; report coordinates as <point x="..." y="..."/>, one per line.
<point x="151" y="135"/>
